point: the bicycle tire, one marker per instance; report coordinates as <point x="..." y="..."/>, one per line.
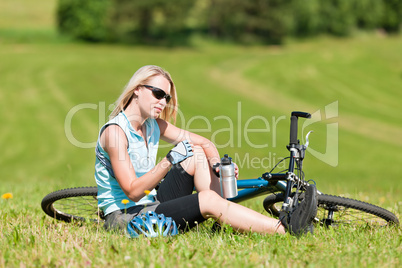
<point x="73" y="204"/>
<point x="335" y="211"/>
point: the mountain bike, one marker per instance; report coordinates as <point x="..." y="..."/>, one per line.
<point x="284" y="191"/>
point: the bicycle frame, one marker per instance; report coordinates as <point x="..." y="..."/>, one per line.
<point x="254" y="187"/>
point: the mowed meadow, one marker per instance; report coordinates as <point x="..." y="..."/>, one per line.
<point x="56" y="93"/>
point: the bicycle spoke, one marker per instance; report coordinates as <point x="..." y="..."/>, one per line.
<point x="85" y="206"/>
<point x="349" y="216"/>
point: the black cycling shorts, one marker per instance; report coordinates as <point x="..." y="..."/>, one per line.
<point x="175" y="193"/>
<point x="175" y="199"/>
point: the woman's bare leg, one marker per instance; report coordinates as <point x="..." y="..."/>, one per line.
<point x="198" y="166"/>
<point x="239" y="217"/>
<point x="212" y="205"/>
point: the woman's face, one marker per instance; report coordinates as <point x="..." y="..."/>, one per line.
<point x="149" y="105"/>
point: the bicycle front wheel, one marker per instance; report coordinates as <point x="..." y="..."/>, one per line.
<point x="80" y="204"/>
<point x="335" y="211"/>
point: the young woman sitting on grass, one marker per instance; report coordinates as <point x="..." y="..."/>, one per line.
<point x="126" y="166"/>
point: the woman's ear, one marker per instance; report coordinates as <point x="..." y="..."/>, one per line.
<point x="135" y="92"/>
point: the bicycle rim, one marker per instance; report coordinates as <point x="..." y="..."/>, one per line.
<point x="338" y="211"/>
<point x="79" y="204"/>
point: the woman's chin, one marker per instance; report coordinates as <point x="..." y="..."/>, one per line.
<point x="155" y="115"/>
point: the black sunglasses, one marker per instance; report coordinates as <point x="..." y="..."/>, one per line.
<point x="159" y="93"/>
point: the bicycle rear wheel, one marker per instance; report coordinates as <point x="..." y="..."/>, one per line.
<point x="335" y="211"/>
<point x="80" y="204"/>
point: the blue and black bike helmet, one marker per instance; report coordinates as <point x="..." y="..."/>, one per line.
<point x="151" y="224"/>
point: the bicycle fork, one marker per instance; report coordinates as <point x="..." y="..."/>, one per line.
<point x="297" y="152"/>
<point x="288" y="201"/>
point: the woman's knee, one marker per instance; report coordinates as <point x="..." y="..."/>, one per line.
<point x="208" y="200"/>
<point x="199" y="153"/>
<point x="191" y="163"/>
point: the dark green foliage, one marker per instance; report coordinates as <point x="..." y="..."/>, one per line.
<point x="86" y="20"/>
<point x="151" y="21"/>
<point x="337" y="17"/>
<point x="392" y="16"/>
<point x="306" y="19"/>
<point x="369" y="13"/>
<point x="160" y="22"/>
<point x="250" y="21"/>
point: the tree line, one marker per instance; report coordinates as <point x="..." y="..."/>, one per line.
<point x="162" y="22"/>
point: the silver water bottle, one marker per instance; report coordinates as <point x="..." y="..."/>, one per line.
<point x="227" y="177"/>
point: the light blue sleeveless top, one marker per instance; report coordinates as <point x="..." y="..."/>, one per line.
<point x="142" y="157"/>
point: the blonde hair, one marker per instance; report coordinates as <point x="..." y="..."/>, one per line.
<point x="140" y="77"/>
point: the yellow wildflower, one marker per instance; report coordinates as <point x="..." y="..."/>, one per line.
<point x="7" y="196"/>
<point x="124" y="201"/>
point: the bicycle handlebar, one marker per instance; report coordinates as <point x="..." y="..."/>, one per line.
<point x="293" y="125"/>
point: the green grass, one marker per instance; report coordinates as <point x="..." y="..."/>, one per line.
<point x="43" y="77"/>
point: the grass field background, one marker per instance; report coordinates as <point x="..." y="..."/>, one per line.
<point x="44" y="77"/>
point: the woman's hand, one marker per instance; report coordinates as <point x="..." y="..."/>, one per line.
<point x="236" y="170"/>
<point x="180" y="152"/>
<point x="215" y="169"/>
